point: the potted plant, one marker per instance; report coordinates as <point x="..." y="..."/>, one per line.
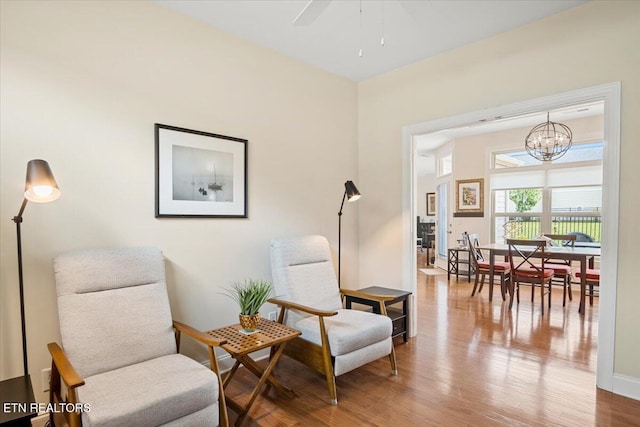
<point x="250" y="295"/>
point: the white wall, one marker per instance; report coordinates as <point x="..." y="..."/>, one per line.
<point x="424" y="184"/>
<point x="82" y="84"/>
<point x="589" y="45"/>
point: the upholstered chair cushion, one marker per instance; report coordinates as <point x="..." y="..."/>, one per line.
<point x="497" y="266"/>
<point x="559" y="268"/>
<point x="101" y="294"/>
<point x="592" y="274"/>
<point x="348" y="331"/>
<point x="166" y="389"/>
<point x="303" y="272"/>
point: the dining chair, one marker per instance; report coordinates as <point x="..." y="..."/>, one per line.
<point x="593" y="280"/>
<point x="525" y="268"/>
<point x="483" y="269"/>
<point x="562" y="268"/>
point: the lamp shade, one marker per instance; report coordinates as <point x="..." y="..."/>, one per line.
<point x="352" y="192"/>
<point x="40" y="186"/>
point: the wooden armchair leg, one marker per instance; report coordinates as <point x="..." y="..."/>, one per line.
<point x="327" y="363"/>
<point x="392" y="359"/>
<point x="331" y="384"/>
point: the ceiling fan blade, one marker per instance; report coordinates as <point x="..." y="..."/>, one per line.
<point x="311" y="11"/>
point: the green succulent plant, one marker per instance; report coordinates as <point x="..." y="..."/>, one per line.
<point x="250" y="294"/>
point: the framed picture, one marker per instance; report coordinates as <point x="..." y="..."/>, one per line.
<point x="200" y="174"/>
<point x="431" y="204"/>
<point x="469" y="197"/>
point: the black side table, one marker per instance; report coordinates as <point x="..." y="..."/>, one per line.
<point x="459" y="256"/>
<point x="399" y="317"/>
<point x="18" y="393"/>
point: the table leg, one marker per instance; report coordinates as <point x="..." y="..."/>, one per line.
<point x="583" y="284"/>
<point x="405" y="310"/>
<point x="252" y="366"/>
<point x="492" y="263"/>
<point x="347" y="302"/>
<point x="230" y="374"/>
<point x="266" y="373"/>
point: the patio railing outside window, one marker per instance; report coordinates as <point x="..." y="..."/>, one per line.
<point x="516" y="227"/>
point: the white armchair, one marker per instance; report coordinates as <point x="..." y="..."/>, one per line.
<point x="120" y="357"/>
<point x="334" y="340"/>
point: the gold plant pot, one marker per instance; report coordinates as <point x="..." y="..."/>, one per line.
<point x="249" y="322"/>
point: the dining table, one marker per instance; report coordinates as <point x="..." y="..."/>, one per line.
<point x="584" y="255"/>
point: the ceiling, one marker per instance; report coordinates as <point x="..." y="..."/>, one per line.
<point x="428" y="143"/>
<point x="412" y="29"/>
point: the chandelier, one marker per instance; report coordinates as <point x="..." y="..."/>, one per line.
<point x="548" y="141"/>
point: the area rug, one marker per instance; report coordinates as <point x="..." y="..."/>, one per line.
<point x="432" y="271"/>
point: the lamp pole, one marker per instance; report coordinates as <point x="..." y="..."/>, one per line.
<point x="18" y="220"/>
<point x="340" y="236"/>
<point x="351" y="194"/>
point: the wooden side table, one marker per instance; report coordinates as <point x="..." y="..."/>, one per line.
<point x="19" y="393"/>
<point x="399" y="317"/>
<point x="271" y="335"/>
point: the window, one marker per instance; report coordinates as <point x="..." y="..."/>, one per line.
<point x="559" y="197"/>
<point x="577" y="209"/>
<point x="445" y="165"/>
<point x="517" y="213"/>
<point x="579" y="152"/>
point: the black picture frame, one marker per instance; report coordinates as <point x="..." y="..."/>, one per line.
<point x="199" y="174"/>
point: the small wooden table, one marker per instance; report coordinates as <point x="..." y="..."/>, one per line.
<point x="271" y="335"/>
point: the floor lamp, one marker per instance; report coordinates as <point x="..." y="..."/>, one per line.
<point x="40" y="187"/>
<point x="351" y="194"/>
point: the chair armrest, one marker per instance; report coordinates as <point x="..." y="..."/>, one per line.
<point x="197" y="335"/>
<point x="364" y="295"/>
<point x="210" y="342"/>
<point x="294" y="306"/>
<point x="67" y="372"/>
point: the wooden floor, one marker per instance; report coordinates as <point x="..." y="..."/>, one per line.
<point x="473" y="363"/>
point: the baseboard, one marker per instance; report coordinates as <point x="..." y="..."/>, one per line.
<point x="626" y="386"/>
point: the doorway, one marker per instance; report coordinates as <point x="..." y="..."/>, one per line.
<point x="610" y="94"/>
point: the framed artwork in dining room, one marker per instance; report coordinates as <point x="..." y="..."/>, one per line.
<point x="431" y="204"/>
<point x="469" y="198"/>
<point x="199" y="174"/>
